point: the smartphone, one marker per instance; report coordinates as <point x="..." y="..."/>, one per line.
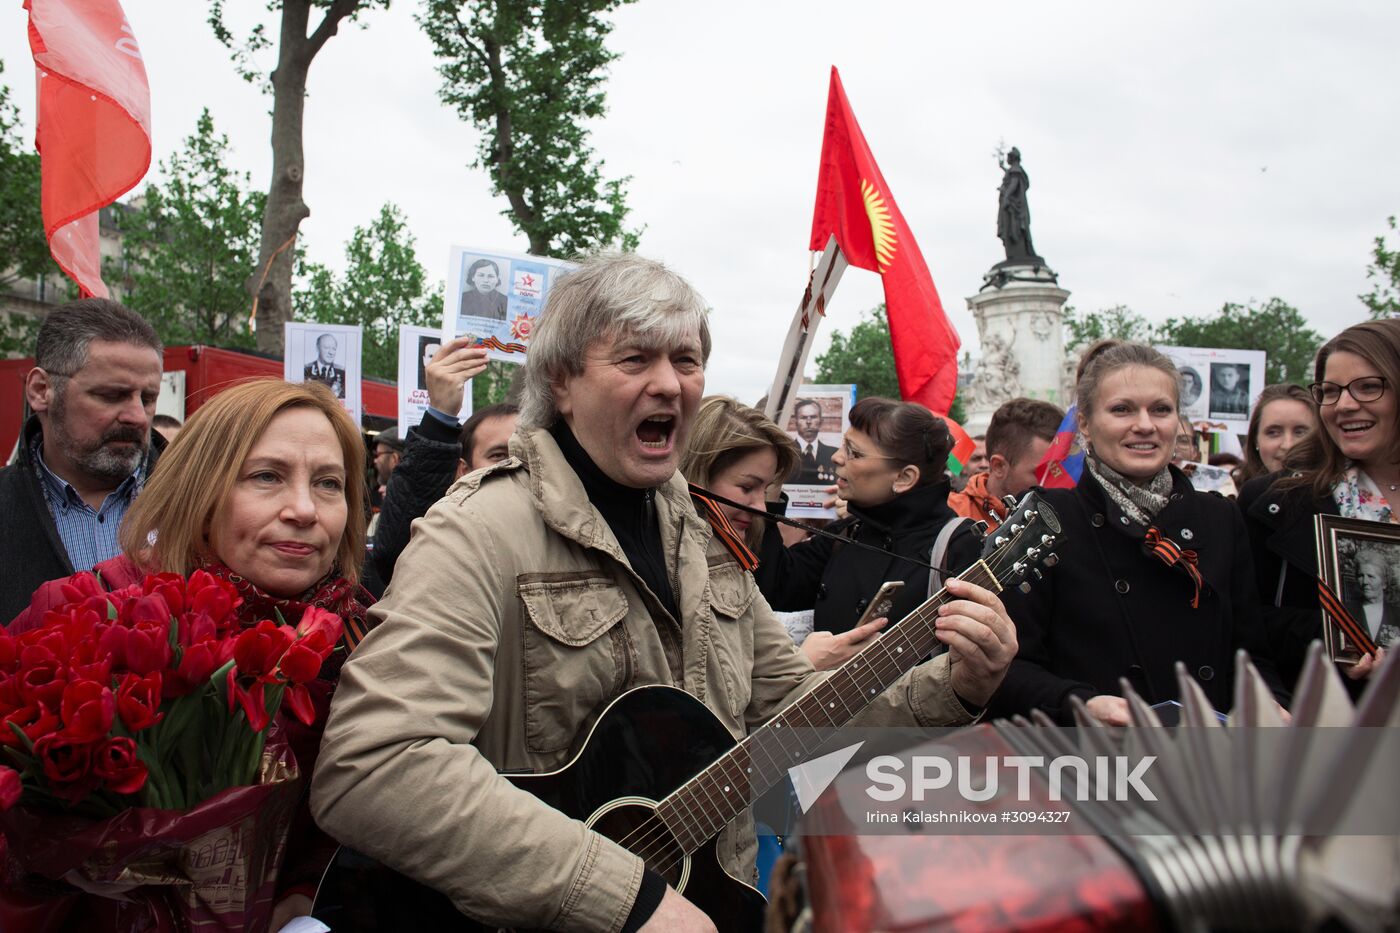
<point x="882" y="603"/>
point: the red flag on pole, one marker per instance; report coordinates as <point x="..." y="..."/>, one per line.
<point x="94" y="127"/>
<point x="855" y="204"/>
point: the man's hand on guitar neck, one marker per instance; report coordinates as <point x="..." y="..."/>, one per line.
<point x="677" y="913"/>
<point x="981" y="640"/>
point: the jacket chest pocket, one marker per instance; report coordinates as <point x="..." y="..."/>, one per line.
<point x="731" y="636"/>
<point x="575" y="653"/>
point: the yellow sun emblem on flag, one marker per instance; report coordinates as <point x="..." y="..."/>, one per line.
<point x="881" y="227"/>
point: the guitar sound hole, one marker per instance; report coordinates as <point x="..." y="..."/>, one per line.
<point x="636" y="827"/>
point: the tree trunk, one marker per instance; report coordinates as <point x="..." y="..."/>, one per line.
<point x="271" y="282"/>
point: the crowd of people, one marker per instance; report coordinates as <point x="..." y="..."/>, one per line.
<point x="545" y="556"/>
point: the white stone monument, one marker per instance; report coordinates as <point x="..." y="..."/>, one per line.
<point x="1019" y="313"/>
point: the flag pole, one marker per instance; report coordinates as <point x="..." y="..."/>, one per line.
<point x="821" y="283"/>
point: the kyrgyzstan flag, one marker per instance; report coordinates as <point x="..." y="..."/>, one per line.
<point x="94" y="127"/>
<point x="855" y="204"/>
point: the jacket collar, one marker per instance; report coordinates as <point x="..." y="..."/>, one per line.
<point x="1173" y="521"/>
<point x="1289" y="513"/>
<point x="563" y="502"/>
<point x="919" y="508"/>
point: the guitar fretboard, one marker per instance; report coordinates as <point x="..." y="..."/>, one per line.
<point x="705" y="804"/>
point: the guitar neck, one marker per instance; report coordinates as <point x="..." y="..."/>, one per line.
<point x="705" y="804"/>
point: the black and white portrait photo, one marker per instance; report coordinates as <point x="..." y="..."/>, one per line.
<point x="482" y="294"/>
<point x="1371" y="592"/>
<point x="1191" y="386"/>
<point x="1229" y="390"/>
<point x="322" y="366"/>
<point x="427" y="348"/>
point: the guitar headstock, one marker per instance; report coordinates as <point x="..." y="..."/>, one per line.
<point x="1015" y="551"/>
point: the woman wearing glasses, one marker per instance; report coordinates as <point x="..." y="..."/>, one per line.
<point x="1349" y="468"/>
<point x="891" y="470"/>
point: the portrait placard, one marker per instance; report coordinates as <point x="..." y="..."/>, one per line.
<point x="1360" y="561"/>
<point x="1218" y="385"/>
<point x="417" y="345"/>
<point x="328" y="354"/>
<point x="496" y="296"/>
<point x="820" y="416"/>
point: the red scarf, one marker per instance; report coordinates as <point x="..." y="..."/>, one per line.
<point x="348" y="600"/>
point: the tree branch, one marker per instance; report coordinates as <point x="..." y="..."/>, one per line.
<point x="330" y="24"/>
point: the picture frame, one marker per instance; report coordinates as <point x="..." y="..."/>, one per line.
<point x="1360" y="562"/>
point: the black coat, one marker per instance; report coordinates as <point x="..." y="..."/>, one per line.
<point x="1109" y="609"/>
<point x="427" y="469"/>
<point x="1281" y="529"/>
<point x="31" y="551"/>
<point x="838" y="580"/>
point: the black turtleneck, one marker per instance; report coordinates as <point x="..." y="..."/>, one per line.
<point x="629" y="512"/>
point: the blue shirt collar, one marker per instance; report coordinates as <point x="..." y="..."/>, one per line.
<point x="61" y="492"/>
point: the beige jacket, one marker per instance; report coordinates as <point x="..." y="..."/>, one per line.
<point x="512" y="617"/>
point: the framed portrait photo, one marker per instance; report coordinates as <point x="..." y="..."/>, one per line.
<point x="1360" y="562"/>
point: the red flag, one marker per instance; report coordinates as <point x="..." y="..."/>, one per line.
<point x="855" y="204"/>
<point x="94" y="128"/>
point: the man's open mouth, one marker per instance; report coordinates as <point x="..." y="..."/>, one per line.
<point x="655" y="432"/>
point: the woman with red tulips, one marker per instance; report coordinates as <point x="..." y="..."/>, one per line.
<point x="258" y="505"/>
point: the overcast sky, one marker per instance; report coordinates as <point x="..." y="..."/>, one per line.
<point x="1180" y="155"/>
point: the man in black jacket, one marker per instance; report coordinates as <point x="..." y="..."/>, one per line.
<point x="87" y="450"/>
<point x="439" y="450"/>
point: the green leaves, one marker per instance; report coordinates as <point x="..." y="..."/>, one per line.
<point x="382" y="287"/>
<point x="190" y="243"/>
<point x="22" y="241"/>
<point x="1274" y="326"/>
<point x="864" y="357"/>
<point x="529" y="75"/>
<point x="1383" y="299"/>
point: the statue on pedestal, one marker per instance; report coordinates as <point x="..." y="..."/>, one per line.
<point x="1014" y="214"/>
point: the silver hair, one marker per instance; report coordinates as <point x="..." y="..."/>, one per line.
<point x="608" y="295"/>
<point x="66" y="334"/>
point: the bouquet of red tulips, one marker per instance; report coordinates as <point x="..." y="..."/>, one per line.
<point x="123" y="706"/>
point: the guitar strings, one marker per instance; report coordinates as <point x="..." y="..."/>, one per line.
<point x="653" y="830"/>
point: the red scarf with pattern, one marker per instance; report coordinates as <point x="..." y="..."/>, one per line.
<point x="334" y="593"/>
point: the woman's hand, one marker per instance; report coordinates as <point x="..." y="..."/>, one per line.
<point x="827" y="651"/>
<point x="288" y="909"/>
<point x="452" y="366"/>
<point x="834" y="501"/>
<point x="1363" y="669"/>
<point x="1109" y="710"/>
<point x="981" y="640"/>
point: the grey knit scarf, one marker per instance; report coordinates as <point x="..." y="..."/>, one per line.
<point x="1139" y="501"/>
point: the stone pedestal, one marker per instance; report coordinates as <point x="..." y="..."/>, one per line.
<point x="1019" y="322"/>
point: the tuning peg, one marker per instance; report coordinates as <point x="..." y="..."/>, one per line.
<point x="999" y="540"/>
<point x="1009" y="502"/>
<point x="1051" y="560"/>
<point x="1035" y="572"/>
<point x="1025" y="586"/>
<point x="980" y="528"/>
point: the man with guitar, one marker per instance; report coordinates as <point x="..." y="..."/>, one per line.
<point x="550" y="584"/>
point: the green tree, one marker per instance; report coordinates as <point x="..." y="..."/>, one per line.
<point x="189" y="244"/>
<point x="22" y="242"/>
<point x="1383" y="299"/>
<point x="529" y="75"/>
<point x="866" y="358"/>
<point x="1082" y="329"/>
<point x="1274" y="326"/>
<point x="383" y="286"/>
<point x="270" y="283"/>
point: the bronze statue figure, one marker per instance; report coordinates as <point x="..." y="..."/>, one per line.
<point x="1013" y="214"/>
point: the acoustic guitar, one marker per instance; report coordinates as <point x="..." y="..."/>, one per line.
<point x="659" y="774"/>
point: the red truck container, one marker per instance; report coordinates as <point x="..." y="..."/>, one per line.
<point x="207" y="370"/>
